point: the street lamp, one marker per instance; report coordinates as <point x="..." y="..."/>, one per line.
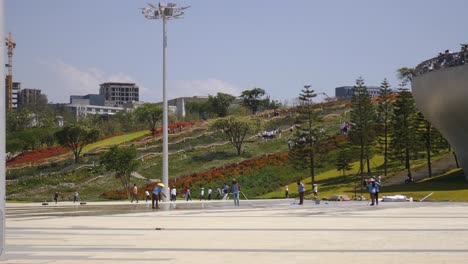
<point x="165" y="12"/>
<point x="2" y="141"/>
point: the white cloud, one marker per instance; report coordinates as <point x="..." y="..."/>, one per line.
<point x="67" y="80"/>
<point x="70" y="80"/>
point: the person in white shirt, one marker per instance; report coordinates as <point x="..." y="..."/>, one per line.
<point x="315" y="190"/>
<point x="202" y="193"/>
<point x="75" y="196"/>
<point x="173" y="193"/>
<point x="147" y="194"/>
<point x="210" y="191"/>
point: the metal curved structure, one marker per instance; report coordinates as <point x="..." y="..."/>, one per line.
<point x="440" y="90"/>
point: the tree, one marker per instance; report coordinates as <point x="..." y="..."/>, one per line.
<point x="121" y="161"/>
<point x="253" y="98"/>
<point x="237" y="128"/>
<point x="220" y="103"/>
<point x="406" y="75"/>
<point x="151" y="114"/>
<point x="362" y="132"/>
<point x="425" y="134"/>
<point x="18" y="120"/>
<point x="268" y="103"/>
<point x="384" y="112"/>
<point x="76" y="136"/>
<point x="201" y="108"/>
<point x="343" y="161"/>
<point x="308" y="135"/>
<point x="404" y="140"/>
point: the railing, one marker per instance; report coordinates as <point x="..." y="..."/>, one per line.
<point x="444" y="60"/>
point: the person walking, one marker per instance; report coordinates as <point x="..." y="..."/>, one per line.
<point x="286" y="191"/>
<point x="315" y="190"/>
<point x="210" y="193"/>
<point x="134" y="193"/>
<point x="187" y="194"/>
<point x="374" y="191"/>
<point x="225" y="191"/>
<point x="56" y="197"/>
<point x="157" y="192"/>
<point x="202" y="193"/>
<point x="235" y="191"/>
<point x="218" y="193"/>
<point x="173" y="194"/>
<point x="301" y="189"/>
<point x="147" y="195"/>
<point x="75" y="197"/>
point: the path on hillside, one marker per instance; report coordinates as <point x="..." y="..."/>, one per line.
<point x="440" y="166"/>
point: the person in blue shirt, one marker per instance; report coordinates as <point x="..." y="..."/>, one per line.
<point x="301" y="189"/>
<point x="373" y="186"/>
<point x="157" y="192"/>
<point x="235" y="191"/>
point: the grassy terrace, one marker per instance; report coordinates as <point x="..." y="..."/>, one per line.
<point x="117" y="140"/>
<point x="331" y="182"/>
<point x="450" y="186"/>
<point x="202" y="159"/>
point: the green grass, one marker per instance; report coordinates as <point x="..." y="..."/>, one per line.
<point x="203" y="159"/>
<point x="451" y="186"/>
<point x="116" y="140"/>
<point x="331" y="182"/>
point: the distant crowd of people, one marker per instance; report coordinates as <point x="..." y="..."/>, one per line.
<point x="444" y="60"/>
<point x="271" y="134"/>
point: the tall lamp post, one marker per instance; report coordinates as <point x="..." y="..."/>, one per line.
<point x="165" y="12"/>
<point x="2" y="139"/>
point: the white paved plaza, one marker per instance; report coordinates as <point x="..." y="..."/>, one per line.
<point x="217" y="232"/>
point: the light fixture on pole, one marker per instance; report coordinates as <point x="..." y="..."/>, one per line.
<point x="2" y="140"/>
<point x="165" y="12"/>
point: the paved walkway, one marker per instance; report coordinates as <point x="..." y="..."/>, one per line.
<point x="262" y="231"/>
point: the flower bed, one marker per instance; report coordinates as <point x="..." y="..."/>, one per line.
<point x="37" y="156"/>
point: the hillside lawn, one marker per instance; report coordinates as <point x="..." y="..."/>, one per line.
<point x="331" y="182"/>
<point x="117" y="140"/>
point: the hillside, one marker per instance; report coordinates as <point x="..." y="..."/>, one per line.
<point x="198" y="157"/>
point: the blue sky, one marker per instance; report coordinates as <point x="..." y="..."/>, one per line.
<point x="69" y="47"/>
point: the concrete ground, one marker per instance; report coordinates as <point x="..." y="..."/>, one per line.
<point x="261" y="231"/>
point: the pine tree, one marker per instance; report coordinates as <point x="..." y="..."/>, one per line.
<point x="308" y="135"/>
<point x="384" y="112"/>
<point x="424" y="134"/>
<point x="343" y="161"/>
<point x="404" y="122"/>
<point x="362" y="131"/>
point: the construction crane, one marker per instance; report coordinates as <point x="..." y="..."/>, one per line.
<point x="9" y="79"/>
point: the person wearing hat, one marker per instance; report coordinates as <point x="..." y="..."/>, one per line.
<point x="157" y="192"/>
<point x="373" y="186"/>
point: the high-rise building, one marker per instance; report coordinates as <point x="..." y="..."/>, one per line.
<point x="29" y="96"/>
<point x="119" y="93"/>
